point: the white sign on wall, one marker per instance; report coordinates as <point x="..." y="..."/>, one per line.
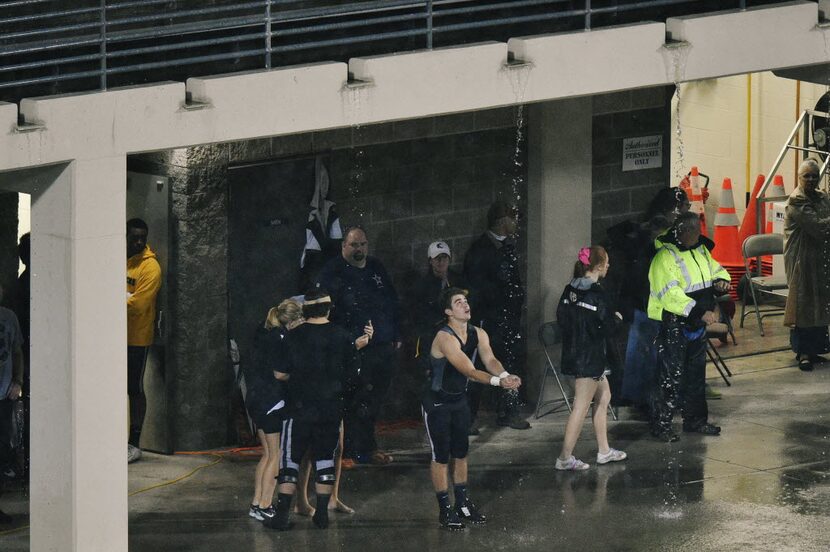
<point x="645" y="152"/>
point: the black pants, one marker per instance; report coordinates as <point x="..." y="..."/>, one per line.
<point x="810" y="341"/>
<point x="681" y="365"/>
<point x="6" y="451"/>
<point x="508" y="344"/>
<point x="377" y="365"/>
<point x="136" y="358"/>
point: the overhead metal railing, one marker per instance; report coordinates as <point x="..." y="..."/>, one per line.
<point x="48" y="48"/>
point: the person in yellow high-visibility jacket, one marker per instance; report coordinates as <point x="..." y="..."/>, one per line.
<point x="684" y="280"/>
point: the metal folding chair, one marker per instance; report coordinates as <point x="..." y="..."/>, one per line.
<point x="756" y="247"/>
<point x="549" y="335"/>
<point x="713" y="353"/>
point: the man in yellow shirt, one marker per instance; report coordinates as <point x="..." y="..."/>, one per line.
<point x="143" y="283"/>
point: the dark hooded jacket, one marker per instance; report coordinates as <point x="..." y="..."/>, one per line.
<point x="587" y="321"/>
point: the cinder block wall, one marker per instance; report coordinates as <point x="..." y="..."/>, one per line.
<point x="618" y="195"/>
<point x="408" y="183"/>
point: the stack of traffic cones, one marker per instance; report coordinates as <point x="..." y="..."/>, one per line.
<point x="749" y="225"/>
<point x="727" y="249"/>
<point x="696" y="199"/>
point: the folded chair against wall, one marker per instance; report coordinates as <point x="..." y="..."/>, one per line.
<point x="550" y="335"/>
<point x="754" y="248"/>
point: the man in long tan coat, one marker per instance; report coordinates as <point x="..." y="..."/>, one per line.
<point x="806" y="258"/>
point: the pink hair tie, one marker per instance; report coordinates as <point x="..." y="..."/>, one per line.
<point x="585" y="256"/>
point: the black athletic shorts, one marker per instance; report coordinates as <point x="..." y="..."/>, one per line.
<point x="269" y="423"/>
<point x="448" y="426"/>
<point x="320" y="439"/>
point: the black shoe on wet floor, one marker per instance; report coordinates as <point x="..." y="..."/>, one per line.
<point x="469" y="513"/>
<point x="448" y="519"/>
<point x="703" y="429"/>
<point x="515" y="422"/>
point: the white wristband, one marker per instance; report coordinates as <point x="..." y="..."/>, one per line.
<point x="504" y="374"/>
<point x="495" y="381"/>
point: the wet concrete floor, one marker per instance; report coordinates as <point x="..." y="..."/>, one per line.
<point x="763" y="485"/>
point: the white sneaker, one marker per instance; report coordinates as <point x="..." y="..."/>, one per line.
<point x="613" y="455"/>
<point x="133" y="454"/>
<point x="571" y="464"/>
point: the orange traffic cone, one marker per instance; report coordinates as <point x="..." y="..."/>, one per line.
<point x="727" y="241"/>
<point x="696" y="199"/>
<point x="749" y="224"/>
<point x="777" y="190"/>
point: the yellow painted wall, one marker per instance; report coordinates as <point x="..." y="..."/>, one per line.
<point x="713" y="130"/>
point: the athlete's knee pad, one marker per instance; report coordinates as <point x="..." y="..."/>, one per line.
<point x="326" y="476"/>
<point x="325" y="472"/>
<point x="288" y="475"/>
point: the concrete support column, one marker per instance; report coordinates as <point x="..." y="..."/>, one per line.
<point x="78" y="374"/>
<point x="559" y="209"/>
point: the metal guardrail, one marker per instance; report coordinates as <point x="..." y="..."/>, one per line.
<point x="47" y="47"/>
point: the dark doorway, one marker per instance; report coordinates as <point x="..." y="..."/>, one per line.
<point x="268" y="211"/>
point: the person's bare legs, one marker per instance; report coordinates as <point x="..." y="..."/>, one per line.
<point x="459" y="471"/>
<point x="602" y="398"/>
<point x="268" y="479"/>
<point x="303" y="506"/>
<point x="260" y="469"/>
<point x="440" y="476"/>
<point x="335" y="503"/>
<point x="584" y="393"/>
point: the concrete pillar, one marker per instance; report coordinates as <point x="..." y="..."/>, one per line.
<point x="559" y="209"/>
<point x="79" y="375"/>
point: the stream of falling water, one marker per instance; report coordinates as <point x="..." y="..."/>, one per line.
<point x="353" y="100"/>
<point x="674" y="55"/>
<point x="518" y="75"/>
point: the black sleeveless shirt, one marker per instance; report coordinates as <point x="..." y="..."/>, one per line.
<point x="446" y="382"/>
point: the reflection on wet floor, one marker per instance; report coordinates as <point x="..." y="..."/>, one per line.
<point x="763" y="485"/>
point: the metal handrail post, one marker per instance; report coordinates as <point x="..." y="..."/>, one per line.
<point x="587" y="15"/>
<point x="772" y="171"/>
<point x="103" y="47"/>
<point x="429" y="24"/>
<point x="268" y="34"/>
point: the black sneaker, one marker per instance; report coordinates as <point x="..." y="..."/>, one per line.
<point x="266" y="513"/>
<point x="468" y="512"/>
<point x="515" y="422"/>
<point x="448" y="519"/>
<point x="255" y="513"/>
<point x="703" y="429"/>
<point x="279" y="522"/>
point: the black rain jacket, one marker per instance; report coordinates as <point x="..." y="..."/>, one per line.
<point x="587" y="321"/>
